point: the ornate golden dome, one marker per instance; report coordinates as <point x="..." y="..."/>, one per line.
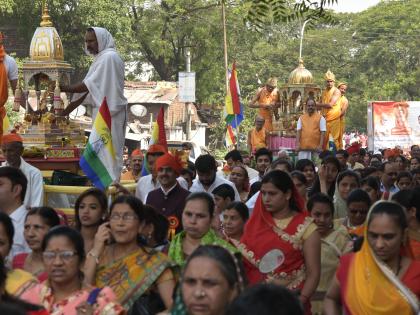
<point x="46" y="43"/>
<point x="300" y="75"/>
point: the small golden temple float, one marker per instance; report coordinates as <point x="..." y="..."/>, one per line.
<point x="299" y="87"/>
<point x="49" y="139"/>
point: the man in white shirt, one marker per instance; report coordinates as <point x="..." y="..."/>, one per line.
<point x="105" y="78"/>
<point x="12" y="192"/>
<point x="12" y="148"/>
<point x="207" y="180"/>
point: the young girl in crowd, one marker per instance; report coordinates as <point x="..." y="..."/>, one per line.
<point x="372" y="186"/>
<point x="37" y="224"/>
<point x="307" y="167"/>
<point x="346" y="182"/>
<point x="404" y="180"/>
<point x="91" y="210"/>
<point x="300" y="182"/>
<point x="335" y="241"/>
<point x="377" y="279"/>
<point x="358" y="204"/>
<point x="327" y="176"/>
<point x="280" y="242"/>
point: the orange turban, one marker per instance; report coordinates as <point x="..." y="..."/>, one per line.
<point x="11" y="137"/>
<point x="354" y="148"/>
<point x="156" y="148"/>
<point x="137" y="152"/>
<point x="167" y="160"/>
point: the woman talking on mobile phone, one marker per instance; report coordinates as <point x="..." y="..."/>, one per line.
<point x="139" y="277"/>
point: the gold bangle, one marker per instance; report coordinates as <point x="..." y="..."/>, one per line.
<point x="94" y="256"/>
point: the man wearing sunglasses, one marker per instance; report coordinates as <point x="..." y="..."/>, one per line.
<point x="331" y="110"/>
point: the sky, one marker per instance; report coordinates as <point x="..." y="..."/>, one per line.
<point x="353" y="5"/>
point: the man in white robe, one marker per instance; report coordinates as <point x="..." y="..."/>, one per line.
<point x="105" y="78"/>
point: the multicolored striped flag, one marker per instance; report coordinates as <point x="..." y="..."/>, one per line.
<point x="158" y="137"/>
<point x="230" y="138"/>
<point x="233" y="108"/>
<point x="98" y="161"/>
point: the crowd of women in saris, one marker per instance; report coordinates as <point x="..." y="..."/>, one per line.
<point x="319" y="240"/>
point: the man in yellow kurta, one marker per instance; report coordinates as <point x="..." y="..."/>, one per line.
<point x="8" y="72"/>
<point x="267" y="100"/>
<point x="257" y="136"/>
<point x="331" y="110"/>
<point x="344" y="104"/>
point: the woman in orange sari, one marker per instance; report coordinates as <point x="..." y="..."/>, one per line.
<point x="280" y="242"/>
<point x="377" y="279"/>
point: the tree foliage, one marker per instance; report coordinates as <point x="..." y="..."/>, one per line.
<point x="375" y="51"/>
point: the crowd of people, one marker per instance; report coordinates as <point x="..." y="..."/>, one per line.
<point x="270" y="237"/>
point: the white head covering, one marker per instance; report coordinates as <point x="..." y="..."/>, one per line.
<point x="104" y="38"/>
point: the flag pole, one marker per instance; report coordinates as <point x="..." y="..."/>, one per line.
<point x="225" y="46"/>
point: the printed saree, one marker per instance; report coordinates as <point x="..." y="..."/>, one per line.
<point x="132" y="276"/>
<point x="366" y="283"/>
<point x="176" y="253"/>
<point x="42" y="294"/>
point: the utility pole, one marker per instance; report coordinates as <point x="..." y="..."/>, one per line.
<point x="187" y="104"/>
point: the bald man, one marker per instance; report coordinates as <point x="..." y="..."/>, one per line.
<point x="257" y="136"/>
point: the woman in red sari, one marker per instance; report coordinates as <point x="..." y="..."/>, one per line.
<point x="280" y="242"/>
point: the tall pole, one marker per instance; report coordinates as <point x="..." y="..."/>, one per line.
<point x="225" y="45"/>
<point x="301" y="38"/>
<point x="187" y="105"/>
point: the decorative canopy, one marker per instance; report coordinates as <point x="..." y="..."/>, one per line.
<point x="46" y="43"/>
<point x="46" y="54"/>
<point x="300" y="75"/>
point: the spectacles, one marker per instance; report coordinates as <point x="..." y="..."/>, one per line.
<point x="125" y="217"/>
<point x="65" y="255"/>
<point x="358" y="211"/>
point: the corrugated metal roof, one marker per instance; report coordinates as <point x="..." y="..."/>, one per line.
<point x="151" y="92"/>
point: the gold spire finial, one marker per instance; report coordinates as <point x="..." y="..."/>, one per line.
<point x="301" y="63"/>
<point x="46" y="18"/>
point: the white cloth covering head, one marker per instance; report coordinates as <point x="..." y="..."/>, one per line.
<point x="104" y="39"/>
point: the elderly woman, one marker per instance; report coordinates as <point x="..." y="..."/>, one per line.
<point x="65" y="292"/>
<point x="196" y="220"/>
<point x="212" y="278"/>
<point x="136" y="275"/>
